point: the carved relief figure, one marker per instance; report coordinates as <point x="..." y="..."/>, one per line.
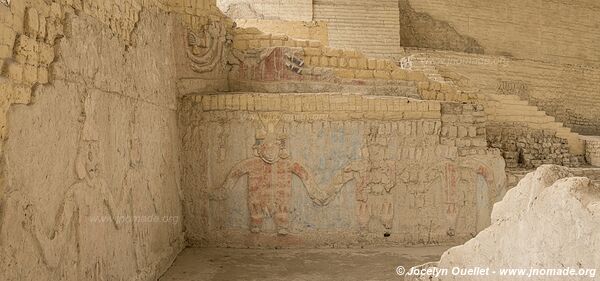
<point x="144" y="203"/>
<point x="489" y="186"/>
<point x="88" y="216"/>
<point x="452" y="200"/>
<point x="375" y="177"/>
<point x="206" y="48"/>
<point x="270" y="180"/>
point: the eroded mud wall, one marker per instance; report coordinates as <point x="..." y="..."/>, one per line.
<point x="90" y="155"/>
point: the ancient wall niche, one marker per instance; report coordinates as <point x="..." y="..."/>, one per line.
<point x="421" y="30"/>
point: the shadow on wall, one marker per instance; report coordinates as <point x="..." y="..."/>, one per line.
<point x="423" y="31"/>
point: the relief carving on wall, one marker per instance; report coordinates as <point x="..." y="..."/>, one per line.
<point x="206" y="47"/>
<point x="294" y="62"/>
<point x="451" y="197"/>
<point x="390" y="169"/>
<point x="375" y="178"/>
<point x="88" y="215"/>
<point x="270" y="179"/>
<point x="276" y="64"/>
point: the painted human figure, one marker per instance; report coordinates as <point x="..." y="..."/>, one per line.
<point x="270" y="182"/>
<point x="375" y="178"/>
<point x="451" y="194"/>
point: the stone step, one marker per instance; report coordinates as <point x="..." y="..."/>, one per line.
<point x="523" y="118"/>
<point x="510" y="108"/>
<point x="502" y="97"/>
<point x="509" y="102"/>
<point x="515" y="102"/>
<point x="518" y="107"/>
<point x="591" y="173"/>
<point x="564" y="131"/>
<point x="510" y="112"/>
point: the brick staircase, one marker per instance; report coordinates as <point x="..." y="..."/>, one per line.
<point x="421" y="64"/>
<point x="510" y="108"/>
<point x="503" y="108"/>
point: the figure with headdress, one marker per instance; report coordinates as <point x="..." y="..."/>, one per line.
<point x="88" y="216"/>
<point x="375" y="178"/>
<point x="270" y="180"/>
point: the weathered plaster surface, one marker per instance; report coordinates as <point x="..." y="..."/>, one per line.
<point x="330" y="169"/>
<point x="90" y="165"/>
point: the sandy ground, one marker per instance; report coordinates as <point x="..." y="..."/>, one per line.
<point x="195" y="264"/>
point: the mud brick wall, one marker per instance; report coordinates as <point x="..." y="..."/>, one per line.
<point x="552" y="31"/>
<point x="286" y="10"/>
<point x="464" y="126"/>
<point x="89" y="182"/>
<point x="567" y="92"/>
<point x="527" y="147"/>
<point x="369" y="26"/>
<point x="592" y="149"/>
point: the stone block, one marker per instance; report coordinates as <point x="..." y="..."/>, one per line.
<point x="14" y="71"/>
<point x="314" y="44"/>
<point x="7" y="36"/>
<point x="46" y="54"/>
<point x="266" y="43"/>
<point x="316" y="61"/>
<point x="331" y="52"/>
<point x="240" y="44"/>
<point x="32" y="23"/>
<point x="353" y="63"/>
<point x="42" y="75"/>
<point x="312" y="51"/>
<point x="372" y="64"/>
<point x="416" y="76"/>
<point x="381" y="74"/>
<point x="472" y="131"/>
<point x="363" y="63"/>
<point x="399" y="74"/>
<point x="452" y="131"/>
<point x="333" y="62"/>
<point x="344" y="73"/>
<point x="351" y="53"/>
<point x="5" y="52"/>
<point x="364" y="74"/>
